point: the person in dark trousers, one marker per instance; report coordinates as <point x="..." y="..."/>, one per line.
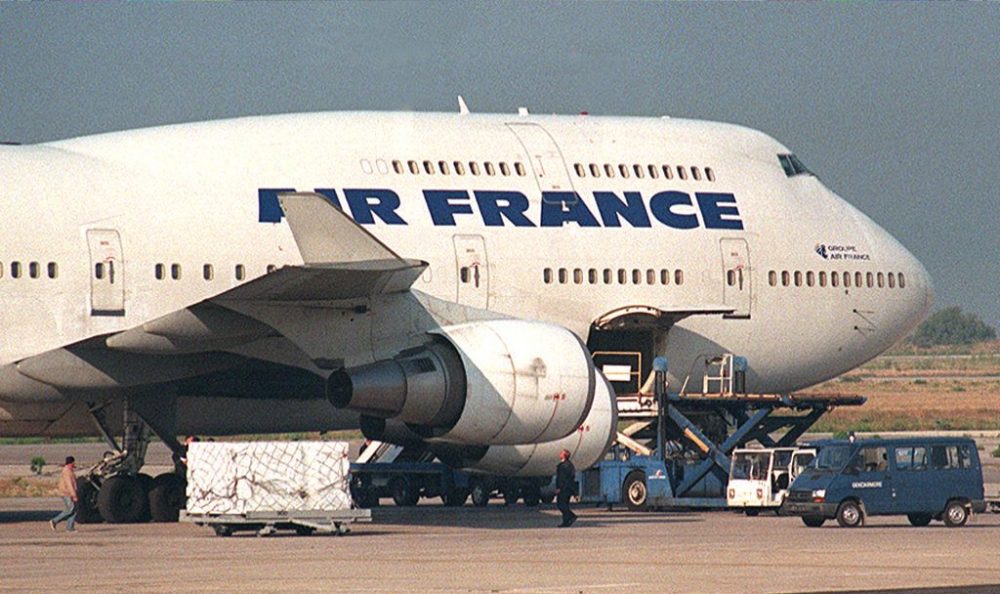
<point x="67" y="488"/>
<point x="565" y="488"/>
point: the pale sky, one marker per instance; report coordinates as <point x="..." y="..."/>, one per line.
<point x="896" y="106"/>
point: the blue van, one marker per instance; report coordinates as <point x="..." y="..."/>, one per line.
<point x="924" y="478"/>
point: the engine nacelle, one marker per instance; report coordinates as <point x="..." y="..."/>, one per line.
<point x="482" y="383"/>
<point x="587" y="445"/>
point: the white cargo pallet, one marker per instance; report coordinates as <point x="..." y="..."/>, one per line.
<point x="265" y="523"/>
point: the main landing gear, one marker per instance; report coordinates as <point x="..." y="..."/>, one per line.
<point x="114" y="490"/>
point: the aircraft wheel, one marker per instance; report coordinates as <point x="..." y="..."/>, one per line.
<point x="121" y="500"/>
<point x="404" y="493"/>
<point x="455" y="497"/>
<point x="510" y="495"/>
<point x="532" y="495"/>
<point x="222" y="529"/>
<point x="480" y="492"/>
<point x="167" y="497"/>
<point x="636" y="495"/>
<point x="86" y="505"/>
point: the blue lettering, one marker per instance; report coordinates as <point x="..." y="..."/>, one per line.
<point x="662" y="206"/>
<point x="613" y="209"/>
<point x="496" y="206"/>
<point x="331" y="196"/>
<point x="381" y="203"/>
<point x="559" y="208"/>
<point x="443" y="211"/>
<point x="719" y="211"/>
<point x="268" y="208"/>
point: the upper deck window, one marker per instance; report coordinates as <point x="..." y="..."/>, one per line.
<point x="792" y="165"/>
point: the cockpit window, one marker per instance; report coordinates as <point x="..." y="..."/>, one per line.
<point x="793" y="166"/>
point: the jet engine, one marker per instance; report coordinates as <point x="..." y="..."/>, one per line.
<point x="587" y="445"/>
<point x="497" y="382"/>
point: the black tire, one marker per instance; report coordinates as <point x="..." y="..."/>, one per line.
<point x="304" y="530"/>
<point x="634" y="491"/>
<point x="455" y="497"/>
<point x="510" y="495"/>
<point x="222" y="529"/>
<point x="532" y="495"/>
<point x="479" y="491"/>
<point x="955" y="514"/>
<point x="86" y="505"/>
<point x="850" y="514"/>
<point x="404" y="492"/>
<point x="752" y="513"/>
<point x="362" y="493"/>
<point x="548" y="497"/>
<point x="121" y="500"/>
<point x="813" y="521"/>
<point x="919" y="519"/>
<point x="167" y="497"/>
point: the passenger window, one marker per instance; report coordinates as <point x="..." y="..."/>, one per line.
<point x="504" y="169"/>
<point x="443" y="168"/>
<point x="463" y="275"/>
<point x="798" y="278"/>
<point x="366" y="166"/>
<point x="15" y="270"/>
<point x="428" y="168"/>
<point x="871" y="459"/>
<point x="33" y="270"/>
<point x="785" y="278"/>
<point x="240" y="271"/>
<point x="892" y="280"/>
<point x="580" y="171"/>
<point x="607" y="276"/>
<point x="695" y="173"/>
<point x="636" y="276"/>
<point x="772" y="278"/>
<point x="911" y="458"/>
<point x="414" y="168"/>
<point x="664" y="277"/>
<point x="623" y="169"/>
<point x="731" y="277"/>
<point x="834" y="279"/>
<point x="870" y="278"/>
<point x="159" y="271"/>
<point x="592" y="276"/>
<point x="638" y="171"/>
<point x="519" y="168"/>
<point x="381" y="166"/>
<point x="98" y="271"/>
<point x="53" y="270"/>
<point x="902" y="281"/>
<point x="488" y="167"/>
<point x="822" y="278"/>
<point x="681" y="172"/>
<point x="175" y="271"/>
<point x="563" y="276"/>
<point x="847" y="279"/>
<point x="207" y="272"/>
<point x="595" y="171"/>
<point x="810" y="278"/>
<point x="859" y="280"/>
<point x="709" y="174"/>
<point x="473" y="168"/>
<point x="654" y="172"/>
<point x="667" y="173"/>
<point x="397" y="166"/>
<point x="622" y="276"/>
<point x="577" y="276"/>
<point x="650" y="277"/>
<point x="547" y="276"/>
<point x="459" y="167"/>
<point x="678" y="277"/>
<point x="609" y="170"/>
<point x="881" y="280"/>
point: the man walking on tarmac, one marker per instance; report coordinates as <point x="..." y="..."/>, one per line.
<point x="565" y="488"/>
<point x="67" y="488"/>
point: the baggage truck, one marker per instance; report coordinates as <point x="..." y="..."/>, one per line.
<point x="268" y="486"/>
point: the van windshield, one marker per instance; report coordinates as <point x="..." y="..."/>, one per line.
<point x="749" y="466"/>
<point x="833" y="457"/>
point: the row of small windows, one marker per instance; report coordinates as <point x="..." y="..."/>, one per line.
<point x="641" y="171"/>
<point x="428" y="167"/>
<point x="33" y="269"/>
<point x="608" y="276"/>
<point x="160" y="271"/>
<point x="835" y="279"/>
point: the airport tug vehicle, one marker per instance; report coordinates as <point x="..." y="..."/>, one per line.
<point x="678" y="449"/>
<point x="759" y="477"/>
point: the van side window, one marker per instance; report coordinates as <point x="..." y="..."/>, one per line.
<point x="871" y="459"/>
<point x="947" y="457"/>
<point x="911" y="458"/>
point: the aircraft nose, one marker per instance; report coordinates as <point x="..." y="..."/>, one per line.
<point x="925" y="287"/>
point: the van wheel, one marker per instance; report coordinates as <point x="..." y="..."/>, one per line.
<point x="955" y="514"/>
<point x="919" y="519"/>
<point x="849" y="515"/>
<point x="635" y="491"/>
<point x="813" y="521"/>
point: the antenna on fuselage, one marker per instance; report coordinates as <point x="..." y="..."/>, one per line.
<point x="463" y="109"/>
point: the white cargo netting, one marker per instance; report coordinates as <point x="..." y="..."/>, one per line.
<point x="237" y="478"/>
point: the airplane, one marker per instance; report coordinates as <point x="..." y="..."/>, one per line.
<point x="445" y="277"/>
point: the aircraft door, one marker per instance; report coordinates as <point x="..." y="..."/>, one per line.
<point x="107" y="274"/>
<point x="545" y="158"/>
<point x="736" y="289"/>
<point x="473" y="271"/>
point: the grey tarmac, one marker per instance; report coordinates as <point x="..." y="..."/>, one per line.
<point x="500" y="549"/>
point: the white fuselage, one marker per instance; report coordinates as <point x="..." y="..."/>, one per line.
<point x="195" y="201"/>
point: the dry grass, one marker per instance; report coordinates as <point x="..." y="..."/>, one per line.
<point x="28" y="487"/>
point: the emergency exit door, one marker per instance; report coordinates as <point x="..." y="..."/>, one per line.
<point x="544" y="156"/>
<point x="107" y="273"/>
<point x="473" y="271"/>
<point x="736" y="286"/>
